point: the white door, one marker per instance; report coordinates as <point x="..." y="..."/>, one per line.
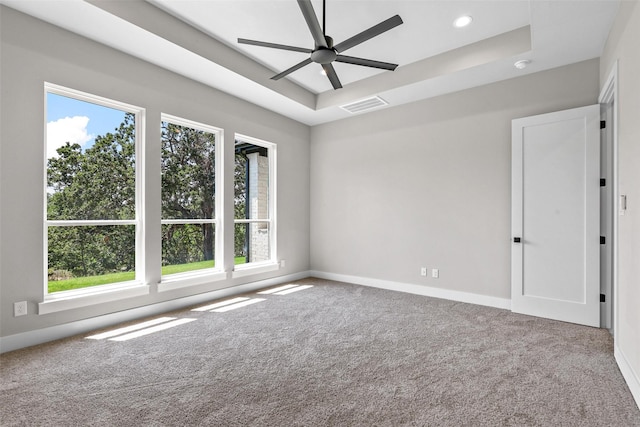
<point x="555" y="216"/>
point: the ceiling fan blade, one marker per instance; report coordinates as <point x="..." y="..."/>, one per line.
<point x="292" y="69"/>
<point x="312" y="22"/>
<point x="274" y="45"/>
<point x="378" y="29"/>
<point x="366" y="62"/>
<point x="331" y="74"/>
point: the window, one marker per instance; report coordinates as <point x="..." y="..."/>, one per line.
<point x="254" y="188"/>
<point x="188" y="196"/>
<point x="92" y="190"/>
<point x="94" y="235"/>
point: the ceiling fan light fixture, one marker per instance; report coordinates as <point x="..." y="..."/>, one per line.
<point x="462" y="21"/>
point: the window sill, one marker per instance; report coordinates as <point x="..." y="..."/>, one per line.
<point x="184" y="280"/>
<point x="243" y="270"/>
<point x="70" y="300"/>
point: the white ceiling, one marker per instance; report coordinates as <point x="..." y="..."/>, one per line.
<point x="198" y="39"/>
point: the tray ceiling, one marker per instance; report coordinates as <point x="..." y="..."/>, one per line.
<point x="434" y="57"/>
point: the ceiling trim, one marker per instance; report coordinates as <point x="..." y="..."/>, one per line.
<point x="473" y="55"/>
<point x="154" y="20"/>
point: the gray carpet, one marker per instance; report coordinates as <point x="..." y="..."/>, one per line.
<point x="330" y="355"/>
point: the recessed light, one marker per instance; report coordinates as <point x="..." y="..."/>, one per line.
<point x="522" y="64"/>
<point x="462" y="21"/>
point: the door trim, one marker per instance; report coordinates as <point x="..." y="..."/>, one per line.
<point x="609" y="95"/>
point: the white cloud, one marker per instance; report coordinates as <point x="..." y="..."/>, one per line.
<point x="68" y="129"/>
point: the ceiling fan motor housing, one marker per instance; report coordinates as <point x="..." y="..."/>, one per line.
<point x="324" y="55"/>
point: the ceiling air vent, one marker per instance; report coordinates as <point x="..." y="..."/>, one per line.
<point x="364" y="105"/>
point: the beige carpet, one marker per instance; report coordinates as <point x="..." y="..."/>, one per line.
<point x="329" y="355"/>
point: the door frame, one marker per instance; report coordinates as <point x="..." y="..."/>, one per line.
<point x="609" y="96"/>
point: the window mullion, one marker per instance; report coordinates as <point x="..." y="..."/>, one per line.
<point x="188" y="221"/>
<point x="91" y="222"/>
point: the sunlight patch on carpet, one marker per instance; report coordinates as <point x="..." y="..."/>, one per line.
<point x="278" y="289"/>
<point x="131" y="328"/>
<point x="220" y="304"/>
<point x="238" y="305"/>
<point x="152" y="329"/>
<point x="296" y="289"/>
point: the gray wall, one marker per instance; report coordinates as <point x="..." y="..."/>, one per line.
<point x="33" y="52"/>
<point x="622" y="46"/>
<point x="428" y="183"/>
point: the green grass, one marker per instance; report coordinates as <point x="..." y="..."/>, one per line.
<point x="182" y="268"/>
<point x="84" y="282"/>
<point x="104" y="279"/>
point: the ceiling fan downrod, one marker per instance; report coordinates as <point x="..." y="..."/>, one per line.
<point x="324" y="17"/>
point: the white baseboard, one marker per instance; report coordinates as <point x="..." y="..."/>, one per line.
<point x="418" y="289"/>
<point x="630" y="376"/>
<point x="40" y="336"/>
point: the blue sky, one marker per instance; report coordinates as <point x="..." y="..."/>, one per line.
<point x="77" y="122"/>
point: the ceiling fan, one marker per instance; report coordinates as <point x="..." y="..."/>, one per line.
<point x="325" y="52"/>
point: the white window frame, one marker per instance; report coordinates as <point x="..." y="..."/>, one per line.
<point x="64" y="300"/>
<point x="271" y="264"/>
<point x="205" y="275"/>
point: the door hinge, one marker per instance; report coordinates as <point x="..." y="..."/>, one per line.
<point x="603" y="240"/>
<point x="603" y="182"/>
<point x="603" y="298"/>
<point x="603" y="124"/>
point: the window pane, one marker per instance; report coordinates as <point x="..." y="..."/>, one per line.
<point x="188" y="192"/>
<point x="251" y="201"/>
<point x="187" y="247"/>
<point x="86" y="256"/>
<point x="251" y="181"/>
<point x="252" y="243"/>
<point x="188" y="175"/>
<point x="90" y="161"/>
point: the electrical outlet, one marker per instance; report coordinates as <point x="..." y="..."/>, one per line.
<point x="283" y="263"/>
<point x="19" y="308"/>
<point x="423" y="271"/>
<point x="435" y="273"/>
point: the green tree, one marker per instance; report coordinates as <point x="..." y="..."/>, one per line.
<point x="95" y="184"/>
<point x="188" y="192"/>
<point x="99" y="184"/>
<point x="240" y="204"/>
